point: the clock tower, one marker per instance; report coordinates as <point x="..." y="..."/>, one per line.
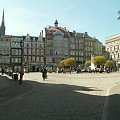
<point x="56" y="23"/>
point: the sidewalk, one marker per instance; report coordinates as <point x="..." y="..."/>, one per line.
<point x="10" y="88"/>
<point x="112" y="108"/>
<point x="3" y="82"/>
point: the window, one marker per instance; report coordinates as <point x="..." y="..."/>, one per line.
<point x="37" y="59"/>
<point x="29" y="58"/>
<point x="29" y="51"/>
<point x="33" y="59"/>
<point x="42" y="59"/>
<point x="38" y="52"/>
<point x="118" y="55"/>
<point x="110" y="48"/>
<point x="42" y="52"/>
<point x="34" y="39"/>
<point x="16" y="60"/>
<point x="25" y="51"/>
<point x="114" y="47"/>
<point x="114" y="55"/>
<point x="117" y="47"/>
<point x="33" y="51"/>
<point x="72" y="52"/>
<point x="81" y="53"/>
<point x="25" y="59"/>
<point x="66" y="52"/>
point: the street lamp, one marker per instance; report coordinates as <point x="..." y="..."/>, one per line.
<point x="44" y="54"/>
<point x="44" y="47"/>
<point x="22" y="70"/>
<point x="118" y="15"/>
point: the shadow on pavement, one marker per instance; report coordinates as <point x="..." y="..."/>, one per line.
<point x="113" y="107"/>
<point x="13" y="90"/>
<point x="51" y="102"/>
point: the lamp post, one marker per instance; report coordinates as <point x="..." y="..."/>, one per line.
<point x="21" y="70"/>
<point x="44" y="55"/>
<point x="44" y="71"/>
<point x="118" y="15"/>
<point x="44" y="47"/>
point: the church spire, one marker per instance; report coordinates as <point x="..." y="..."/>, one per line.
<point x="2" y="28"/>
<point x="3" y="20"/>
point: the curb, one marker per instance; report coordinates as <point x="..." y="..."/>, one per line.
<point x="104" y="111"/>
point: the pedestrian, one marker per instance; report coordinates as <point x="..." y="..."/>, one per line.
<point x="108" y="69"/>
<point x="44" y="73"/>
<point x="2" y="71"/>
<point x="21" y="77"/>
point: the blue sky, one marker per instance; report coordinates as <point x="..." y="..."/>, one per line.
<point x="97" y="17"/>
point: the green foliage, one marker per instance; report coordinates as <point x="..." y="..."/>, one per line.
<point x="99" y="60"/>
<point x="109" y="63"/>
<point x="67" y="62"/>
<point x="88" y="63"/>
<point x="61" y="63"/>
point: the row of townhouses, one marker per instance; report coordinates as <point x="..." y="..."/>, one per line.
<point x="52" y="45"/>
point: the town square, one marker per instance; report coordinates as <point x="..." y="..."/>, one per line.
<point x="59" y="60"/>
<point x="62" y="96"/>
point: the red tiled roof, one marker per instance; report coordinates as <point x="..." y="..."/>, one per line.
<point x="52" y="28"/>
<point x="63" y="29"/>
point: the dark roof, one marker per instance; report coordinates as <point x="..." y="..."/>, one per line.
<point x="56" y="22"/>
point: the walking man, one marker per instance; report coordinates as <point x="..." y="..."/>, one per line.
<point x="44" y="73"/>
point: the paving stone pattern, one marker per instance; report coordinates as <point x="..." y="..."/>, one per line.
<point x="60" y="97"/>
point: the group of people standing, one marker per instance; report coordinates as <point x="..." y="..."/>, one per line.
<point x="44" y="74"/>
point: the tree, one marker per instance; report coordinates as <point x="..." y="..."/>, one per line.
<point x="88" y="63"/>
<point x="109" y="63"/>
<point x="99" y="60"/>
<point x="71" y="61"/>
<point x="62" y="63"/>
<point x="67" y="62"/>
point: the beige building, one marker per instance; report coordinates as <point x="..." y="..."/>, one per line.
<point x="33" y="52"/>
<point x="61" y="44"/>
<point x="113" y="47"/>
<point x="82" y="46"/>
<point x="5" y="49"/>
<point x="98" y="47"/>
<point x="56" y="43"/>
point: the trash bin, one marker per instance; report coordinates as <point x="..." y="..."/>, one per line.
<point x="15" y="76"/>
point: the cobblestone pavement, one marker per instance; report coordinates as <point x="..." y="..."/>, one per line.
<point x="113" y="105"/>
<point x="12" y="89"/>
<point x="61" y="97"/>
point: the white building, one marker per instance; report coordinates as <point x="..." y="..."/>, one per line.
<point x="113" y="47"/>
